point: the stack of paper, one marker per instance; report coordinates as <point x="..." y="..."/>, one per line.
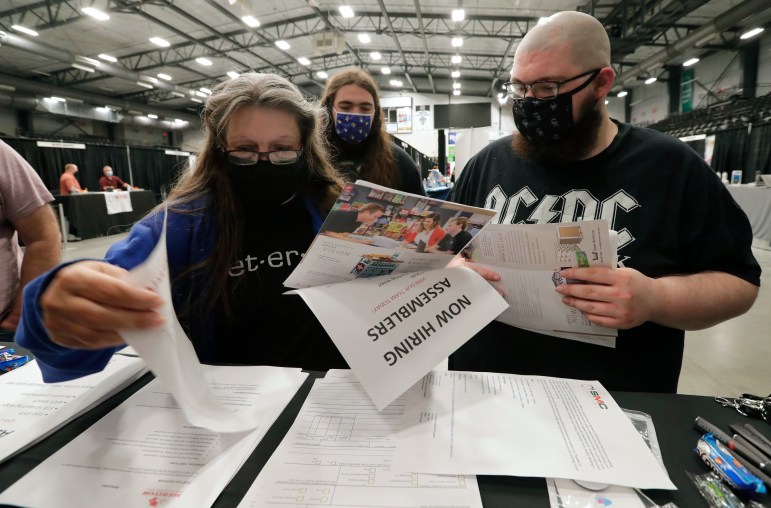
<point x="145" y="453"/>
<point x="31" y="409"/>
<point x="338" y="454"/>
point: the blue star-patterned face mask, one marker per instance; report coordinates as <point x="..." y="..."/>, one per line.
<point x="352" y="128"/>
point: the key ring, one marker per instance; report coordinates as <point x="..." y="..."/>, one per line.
<point x="749" y="405"/>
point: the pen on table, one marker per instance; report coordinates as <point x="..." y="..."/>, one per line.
<point x="741" y="457"/>
<point x="753" y="439"/>
<point x="757" y="433"/>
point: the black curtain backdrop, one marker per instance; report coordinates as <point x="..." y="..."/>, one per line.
<point x="759" y="158"/>
<point x="154" y="170"/>
<point x="731" y="153"/>
<point x="151" y="168"/>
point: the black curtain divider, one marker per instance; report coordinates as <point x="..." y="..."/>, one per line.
<point x="730" y="153"/>
<point x="151" y="168"/>
<point x="759" y="158"/>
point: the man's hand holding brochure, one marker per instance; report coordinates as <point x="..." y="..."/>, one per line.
<point x="406" y="309"/>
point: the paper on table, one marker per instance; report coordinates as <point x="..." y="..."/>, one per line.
<point x="398" y="328"/>
<point x="31" y="409"/>
<point x="145" y="453"/>
<point x="506" y="424"/>
<point x="338" y="453"/>
<point x="171" y="357"/>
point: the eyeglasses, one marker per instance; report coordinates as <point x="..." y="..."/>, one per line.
<point x="250" y="158"/>
<point x="543" y="89"/>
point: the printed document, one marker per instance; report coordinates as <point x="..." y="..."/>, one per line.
<point x="382" y="255"/>
<point x="529" y="258"/>
<point x="171" y="357"/>
<point x="506" y="424"/>
<point x="145" y="453"/>
<point x="31" y="409"/>
<point x="396" y="330"/>
<point x="338" y="454"/>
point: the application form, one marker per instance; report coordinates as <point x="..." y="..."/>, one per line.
<point x="338" y="454"/>
<point x="145" y="453"/>
<point x="31" y="409"/>
<point x="507" y="424"/>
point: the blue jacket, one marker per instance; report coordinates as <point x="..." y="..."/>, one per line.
<point x="190" y="238"/>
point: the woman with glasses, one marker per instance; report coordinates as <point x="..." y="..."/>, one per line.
<point x="238" y="224"/>
<point x="361" y="147"/>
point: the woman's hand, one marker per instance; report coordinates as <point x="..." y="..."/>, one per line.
<point x="87" y="302"/>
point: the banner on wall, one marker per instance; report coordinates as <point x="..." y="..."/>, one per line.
<point x="686" y="90"/>
<point x="424" y="118"/>
<point x="404" y="119"/>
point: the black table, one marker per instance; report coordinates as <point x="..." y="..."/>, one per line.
<point x="87" y="212"/>
<point x="673" y="417"/>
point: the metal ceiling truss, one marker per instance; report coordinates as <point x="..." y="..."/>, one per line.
<point x="630" y="23"/>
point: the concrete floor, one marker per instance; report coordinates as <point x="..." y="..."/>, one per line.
<point x="728" y="359"/>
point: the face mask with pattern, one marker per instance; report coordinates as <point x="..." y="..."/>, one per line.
<point x="353" y="128"/>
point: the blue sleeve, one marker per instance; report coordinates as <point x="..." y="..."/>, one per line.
<point x="59" y="363"/>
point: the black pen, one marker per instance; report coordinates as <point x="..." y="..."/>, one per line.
<point x="753" y="439"/>
<point x="742" y="452"/>
<point x="757" y="433"/>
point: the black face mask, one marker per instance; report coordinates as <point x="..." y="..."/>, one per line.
<point x="268" y="183"/>
<point x="546" y="120"/>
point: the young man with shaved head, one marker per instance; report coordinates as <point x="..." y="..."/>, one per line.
<point x="684" y="250"/>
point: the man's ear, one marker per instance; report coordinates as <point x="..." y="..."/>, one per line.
<point x="604" y="82"/>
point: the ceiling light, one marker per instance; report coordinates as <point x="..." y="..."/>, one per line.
<point x="304" y="61"/>
<point x="364" y="38"/>
<point x="346" y="11"/>
<point x="205" y="90"/>
<point x="622" y="93"/>
<point x="154" y="117"/>
<point x="83" y="67"/>
<point x="160" y="42"/>
<point x="96" y="13"/>
<point x="457" y="42"/>
<point x="25" y="30"/>
<point x="89" y="61"/>
<point x="456" y="92"/>
<point x="250" y="21"/>
<point x="201" y="94"/>
<point x="650" y="80"/>
<point x="283" y="45"/>
<point x="500" y="95"/>
<point x="690" y="62"/>
<point x="164" y="76"/>
<point x="456" y="85"/>
<point x="322" y="75"/>
<point x="148" y="78"/>
<point x="203" y="61"/>
<point x="375" y="55"/>
<point x="199" y="101"/>
<point x="58" y="99"/>
<point x="455" y="74"/>
<point x="385" y="70"/>
<point x="178" y="94"/>
<point x="751" y="33"/>
<point x="233" y="74"/>
<point x="146" y="85"/>
<point x="458" y="15"/>
<point x="104" y="109"/>
<point x="396" y="82"/>
<point x="107" y="57"/>
<point x="456" y="59"/>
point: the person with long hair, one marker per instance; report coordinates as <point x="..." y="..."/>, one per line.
<point x="362" y="149"/>
<point x="430" y="231"/>
<point x="238" y="223"/>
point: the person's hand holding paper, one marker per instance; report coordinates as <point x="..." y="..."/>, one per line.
<point x="88" y="302"/>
